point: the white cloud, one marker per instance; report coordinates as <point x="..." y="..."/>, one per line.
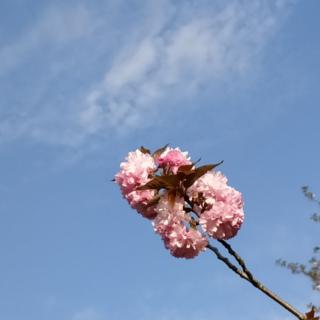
<point x="86" y="314"/>
<point x="56" y="27"/>
<point x="172" y="50"/>
<point x="209" y="45"/>
<point x="37" y="59"/>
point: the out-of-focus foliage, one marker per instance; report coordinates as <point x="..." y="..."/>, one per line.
<point x="311" y="269"/>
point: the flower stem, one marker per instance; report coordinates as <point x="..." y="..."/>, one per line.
<point x="246" y="274"/>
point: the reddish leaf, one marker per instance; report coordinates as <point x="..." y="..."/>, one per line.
<point x="159" y="151"/>
<point x="155" y="183"/>
<point x="187" y="169"/>
<point x="199" y="172"/>
<point x="153" y="201"/>
<point x="172" y="197"/>
<point x="144" y="150"/>
<point x="311" y="315"/>
<point x="193" y="223"/>
<point x="168" y="182"/>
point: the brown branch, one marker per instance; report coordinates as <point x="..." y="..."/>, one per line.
<point x="190" y="203"/>
<point x="237" y="257"/>
<point x="226" y="261"/>
<point x="244" y="274"/>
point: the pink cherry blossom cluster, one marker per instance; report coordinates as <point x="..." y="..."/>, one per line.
<point x="183" y="213"/>
<point x="219" y="206"/>
<point x="135" y="172"/>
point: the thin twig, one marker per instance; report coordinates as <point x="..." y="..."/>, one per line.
<point x="190" y="203"/>
<point x="243" y="274"/>
<point x="237" y="257"/>
<point x="226" y="261"/>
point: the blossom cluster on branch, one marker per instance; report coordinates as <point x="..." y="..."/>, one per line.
<point x="185" y="203"/>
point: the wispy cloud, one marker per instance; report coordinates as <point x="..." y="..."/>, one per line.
<point x="56" y="26"/>
<point x="172" y="50"/>
<point x="34" y="63"/>
<point x="87" y="314"/>
<point x="207" y="44"/>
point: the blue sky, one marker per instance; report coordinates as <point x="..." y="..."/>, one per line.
<point x="84" y="82"/>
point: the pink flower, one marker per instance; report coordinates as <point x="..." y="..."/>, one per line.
<point x="211" y="185"/>
<point x="170" y="223"/>
<point x="220" y="206"/>
<point x="214" y="207"/>
<point x="168" y="216"/>
<point x="222" y="221"/>
<point x="136" y="171"/>
<point x="139" y="199"/>
<point x="184" y="243"/>
<point x="173" y="159"/>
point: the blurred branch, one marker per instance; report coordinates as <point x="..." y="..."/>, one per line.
<point x="312" y="268"/>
